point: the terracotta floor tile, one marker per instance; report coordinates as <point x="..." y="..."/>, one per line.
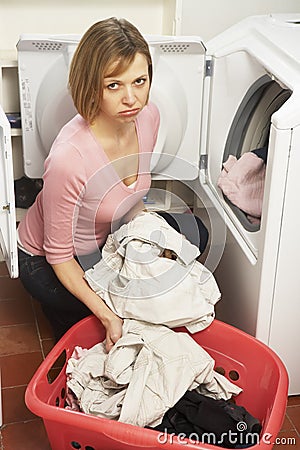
<point x="16" y="311"/>
<point x="25" y="436"/>
<point x="47" y="345"/>
<point x="293" y="413"/>
<point x="294" y="400"/>
<point x="44" y="326"/>
<point x="287" y="424"/>
<point x="14" y="408"/>
<point x="18" y="339"/>
<point x="3" y="269"/>
<point x="12" y="288"/>
<point x="17" y="370"/>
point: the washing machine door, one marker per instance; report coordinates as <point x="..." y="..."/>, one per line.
<point x="178" y="72"/>
<point x="8" y="235"/>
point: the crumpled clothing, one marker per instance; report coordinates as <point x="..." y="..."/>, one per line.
<point x="242" y="181"/>
<point x="196" y="414"/>
<point x="147" y="371"/>
<point x="136" y="282"/>
<point x="148" y="226"/>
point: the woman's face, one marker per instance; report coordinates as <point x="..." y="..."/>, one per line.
<point x="126" y="94"/>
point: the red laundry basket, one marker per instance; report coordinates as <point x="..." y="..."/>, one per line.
<point x="244" y="360"/>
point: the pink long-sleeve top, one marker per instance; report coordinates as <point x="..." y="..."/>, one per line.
<point x="82" y="195"/>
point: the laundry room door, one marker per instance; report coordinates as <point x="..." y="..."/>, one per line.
<point x="8" y="234"/>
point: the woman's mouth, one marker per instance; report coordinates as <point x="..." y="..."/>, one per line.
<point x="129" y="112"/>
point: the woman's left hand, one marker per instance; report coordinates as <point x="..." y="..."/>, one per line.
<point x="113" y="327"/>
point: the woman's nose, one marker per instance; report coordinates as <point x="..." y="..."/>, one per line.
<point x="129" y="96"/>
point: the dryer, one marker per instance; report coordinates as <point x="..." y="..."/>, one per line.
<point x="237" y="92"/>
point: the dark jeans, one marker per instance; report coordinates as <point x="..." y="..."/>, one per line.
<point x="61" y="307"/>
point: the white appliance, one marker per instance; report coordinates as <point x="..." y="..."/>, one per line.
<point x="8" y="235"/>
<point x="237" y="92"/>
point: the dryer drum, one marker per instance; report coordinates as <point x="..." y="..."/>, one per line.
<point x="250" y="129"/>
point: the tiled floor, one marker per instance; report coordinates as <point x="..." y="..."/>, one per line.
<point x="25" y="339"/>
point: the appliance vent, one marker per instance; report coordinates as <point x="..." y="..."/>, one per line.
<point x="47" y="46"/>
<point x="174" y="48"/>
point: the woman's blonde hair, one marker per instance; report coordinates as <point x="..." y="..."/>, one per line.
<point x="104" y="43"/>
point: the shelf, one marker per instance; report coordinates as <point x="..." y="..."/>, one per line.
<point x="16" y="132"/>
<point x="20" y="213"/>
<point x="8" y="58"/>
<point x="157" y="200"/>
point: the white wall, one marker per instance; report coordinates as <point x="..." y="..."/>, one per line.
<point x="207" y="18"/>
<point x="75" y="16"/>
<point x="201" y="17"/>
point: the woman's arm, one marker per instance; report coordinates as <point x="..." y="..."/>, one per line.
<point x="70" y="274"/>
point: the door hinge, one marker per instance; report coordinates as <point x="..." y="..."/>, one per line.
<point x="203" y="162"/>
<point x="6" y="207"/>
<point x="209" y="68"/>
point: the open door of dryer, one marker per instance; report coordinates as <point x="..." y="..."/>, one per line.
<point x="243" y="96"/>
<point x="8" y="235"/>
<point x="179" y="71"/>
<point x="46" y="106"/>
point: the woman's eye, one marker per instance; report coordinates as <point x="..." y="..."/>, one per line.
<point x="140" y="81"/>
<point x="113" y="86"/>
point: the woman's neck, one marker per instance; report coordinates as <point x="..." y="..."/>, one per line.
<point x="105" y="128"/>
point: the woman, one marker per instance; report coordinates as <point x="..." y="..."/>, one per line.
<point x="96" y="175"/>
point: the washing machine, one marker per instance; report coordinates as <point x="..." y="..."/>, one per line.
<point x="238" y="92"/>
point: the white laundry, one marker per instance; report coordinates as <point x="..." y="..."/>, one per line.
<point x="154" y="229"/>
<point x="136" y="282"/>
<point x="147" y="371"/>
